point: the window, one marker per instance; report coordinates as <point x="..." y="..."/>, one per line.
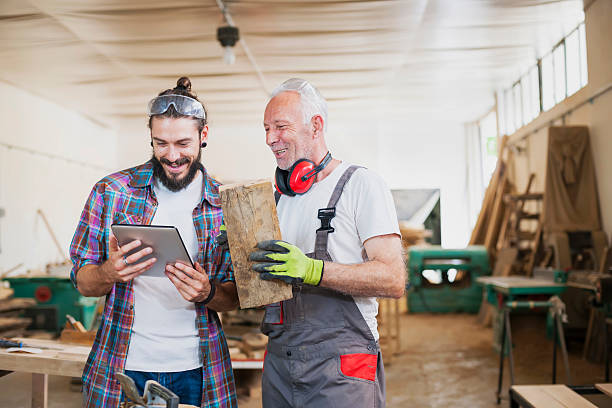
<point x="534" y="81"/>
<point x="583" y="56"/>
<point x="559" y="70"/>
<point x="487" y="128"/>
<point x="572" y="62"/>
<point x="548" y="90"/>
<point x="558" y="74"/>
<point x="509" y="104"/>
<point x="516" y="100"/>
<point x="525" y="100"/>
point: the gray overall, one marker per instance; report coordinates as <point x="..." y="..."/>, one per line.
<point x="321" y="352"/>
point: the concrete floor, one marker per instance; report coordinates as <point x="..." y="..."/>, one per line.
<point x="447" y="361"/>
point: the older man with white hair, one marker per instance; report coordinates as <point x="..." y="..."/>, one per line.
<point x="341" y="249"/>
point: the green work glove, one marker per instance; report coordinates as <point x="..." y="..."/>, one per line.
<point x="281" y="260"/>
<point x="221" y="239"/>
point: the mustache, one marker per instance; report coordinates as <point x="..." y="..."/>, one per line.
<point x="179" y="162"/>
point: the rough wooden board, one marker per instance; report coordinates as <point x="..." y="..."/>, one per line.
<point x="255" y="341"/>
<point x="606" y="388"/>
<point x="552" y="396"/>
<point x="497" y="210"/>
<point x="250" y="216"/>
<point x="77" y="337"/>
<point x="6" y="293"/>
<point x="13" y="322"/>
<point x="479" y="231"/>
<point x="68" y="361"/>
<point x="16" y="303"/>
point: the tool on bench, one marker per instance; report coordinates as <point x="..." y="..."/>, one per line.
<point x="76" y="325"/>
<point x="7" y="343"/>
<point x="155" y="394"/>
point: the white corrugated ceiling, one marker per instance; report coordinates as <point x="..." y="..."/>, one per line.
<point x="434" y="59"/>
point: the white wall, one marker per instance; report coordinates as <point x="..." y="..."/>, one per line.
<point x="421" y="154"/>
<point x="50" y="157"/>
<point x="431" y="157"/>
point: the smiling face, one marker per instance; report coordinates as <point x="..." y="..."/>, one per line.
<point x="286" y="134"/>
<point x="176" y="150"/>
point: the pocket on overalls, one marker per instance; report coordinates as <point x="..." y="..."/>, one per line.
<point x="274" y="313"/>
<point x="360" y="366"/>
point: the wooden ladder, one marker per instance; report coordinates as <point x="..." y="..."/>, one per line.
<point x="514" y="236"/>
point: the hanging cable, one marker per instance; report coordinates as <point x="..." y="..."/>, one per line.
<point x="229" y="20"/>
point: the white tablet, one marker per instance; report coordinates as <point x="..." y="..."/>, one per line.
<point x="165" y="240"/>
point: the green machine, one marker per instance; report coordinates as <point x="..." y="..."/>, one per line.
<point x="55" y="297"/>
<point x="444" y="280"/>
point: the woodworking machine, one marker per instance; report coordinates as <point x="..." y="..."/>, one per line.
<point x="444" y="280"/>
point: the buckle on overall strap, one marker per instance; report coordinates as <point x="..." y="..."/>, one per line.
<point x="326" y="215"/>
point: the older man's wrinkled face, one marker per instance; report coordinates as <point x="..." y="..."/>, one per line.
<point x="286" y="134"/>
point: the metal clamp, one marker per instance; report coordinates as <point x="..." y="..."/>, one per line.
<point x="326" y="215"/>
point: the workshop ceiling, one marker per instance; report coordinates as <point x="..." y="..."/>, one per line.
<point x="436" y="59"/>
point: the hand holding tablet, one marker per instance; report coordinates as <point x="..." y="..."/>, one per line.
<point x="165" y="243"/>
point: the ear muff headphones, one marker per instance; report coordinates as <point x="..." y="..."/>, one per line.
<point x="300" y="177"/>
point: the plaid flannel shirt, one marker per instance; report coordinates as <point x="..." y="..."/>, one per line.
<point x="127" y="197"/>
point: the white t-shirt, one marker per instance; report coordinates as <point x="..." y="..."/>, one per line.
<point x="365" y="210"/>
<point x="164" y="333"/>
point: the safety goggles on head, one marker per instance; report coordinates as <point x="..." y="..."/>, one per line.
<point x="182" y="104"/>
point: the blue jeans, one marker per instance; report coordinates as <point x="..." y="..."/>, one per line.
<point x="186" y="384"/>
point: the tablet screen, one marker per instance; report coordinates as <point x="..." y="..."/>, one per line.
<point x="165" y="240"/>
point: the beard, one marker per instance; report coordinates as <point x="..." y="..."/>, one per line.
<point x="173" y="183"/>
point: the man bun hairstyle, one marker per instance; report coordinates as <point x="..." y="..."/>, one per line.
<point x="184" y="83"/>
<point x="183" y="88"/>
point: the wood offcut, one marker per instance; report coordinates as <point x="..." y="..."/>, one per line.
<point x="250" y="216"/>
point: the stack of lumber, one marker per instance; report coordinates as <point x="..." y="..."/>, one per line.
<point x="491" y="217"/>
<point x="249" y="346"/>
<point x="388" y="318"/>
<point x="509" y="220"/>
<point x="242" y="317"/>
<point x="11" y="324"/>
<point x="412" y="235"/>
<point x="509" y="225"/>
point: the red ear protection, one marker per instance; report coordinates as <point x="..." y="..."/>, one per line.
<point x="300" y="177"/>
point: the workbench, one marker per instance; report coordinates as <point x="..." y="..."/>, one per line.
<point x="513" y="286"/>
<point x="508" y="294"/>
<point x="559" y="396"/>
<point x="65" y="360"/>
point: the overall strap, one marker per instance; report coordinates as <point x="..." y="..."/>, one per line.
<point x="326" y="215"/>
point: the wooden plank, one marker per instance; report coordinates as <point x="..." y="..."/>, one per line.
<point x="40" y="384"/>
<point x="7" y="323"/>
<point x="16" y="303"/>
<point x="606" y="388"/>
<point x="250" y="217"/>
<point x="552" y="396"/>
<point x="534" y="250"/>
<point x="478" y="233"/>
<point x="57" y="359"/>
<point x="494" y="222"/>
<point x="501" y="237"/>
<point x="6" y="293"/>
<point x="510" y="282"/>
